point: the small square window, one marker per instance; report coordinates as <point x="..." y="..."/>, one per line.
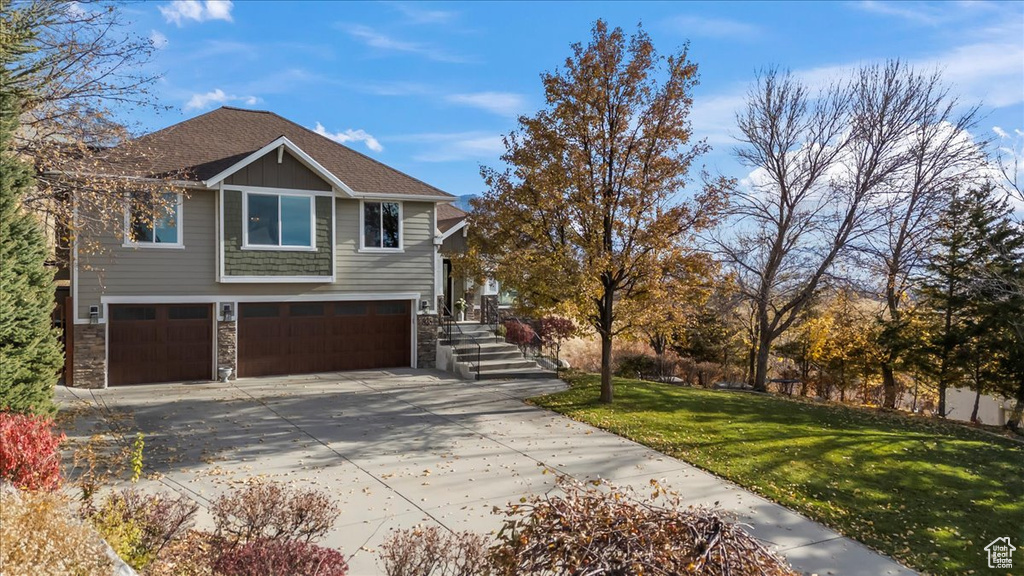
<point x="382" y="223"/>
<point x="153" y="219"/>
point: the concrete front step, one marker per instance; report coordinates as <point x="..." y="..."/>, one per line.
<point x="470" y="339"/>
<point x="513" y="374"/>
<point x="495" y="365"/>
<point x="471" y="348"/>
<point x="470" y="354"/>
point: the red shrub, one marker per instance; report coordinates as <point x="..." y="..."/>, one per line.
<point x="280" y="558"/>
<point x="519" y="333"/>
<point x="29" y="451"/>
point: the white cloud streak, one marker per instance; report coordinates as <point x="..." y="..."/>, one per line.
<point x="716" y="28"/>
<point x="158" y="40"/>
<point x="350" y="135"/>
<point x="218" y="96"/>
<point x="179" y="12"/>
<point x="500" y="103"/>
<point x="456" y="146"/>
<point x="380" y="41"/>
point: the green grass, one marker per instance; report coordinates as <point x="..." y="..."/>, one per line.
<point x="929" y="493"/>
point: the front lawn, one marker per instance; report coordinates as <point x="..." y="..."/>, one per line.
<point x="928" y="493"/>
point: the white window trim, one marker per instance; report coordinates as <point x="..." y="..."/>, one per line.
<point x="245" y="223"/>
<point x="179" y="224"/>
<point x="362" y="227"/>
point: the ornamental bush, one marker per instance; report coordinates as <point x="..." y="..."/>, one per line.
<point x="280" y="558"/>
<point x="140" y="526"/>
<point x="520" y="333"/>
<point x="265" y="510"/>
<point x="431" y="551"/>
<point x="601" y="529"/>
<point x="39" y="535"/>
<point x="29" y="451"/>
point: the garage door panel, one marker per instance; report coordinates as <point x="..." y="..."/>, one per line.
<point x="299" y="338"/>
<point x="160" y="343"/>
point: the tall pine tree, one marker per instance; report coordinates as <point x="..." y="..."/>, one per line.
<point x="978" y="246"/>
<point x="30" y="352"/>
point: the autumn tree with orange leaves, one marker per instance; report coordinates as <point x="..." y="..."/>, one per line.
<point x="591" y="213"/>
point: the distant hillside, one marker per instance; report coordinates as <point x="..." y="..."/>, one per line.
<point x="463" y="202"/>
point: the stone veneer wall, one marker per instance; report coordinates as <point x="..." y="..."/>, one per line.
<point x="90" y="356"/>
<point x="426" y="340"/>
<point x="227" y="346"/>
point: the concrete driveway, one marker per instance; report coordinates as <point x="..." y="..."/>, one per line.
<point x="406" y="447"/>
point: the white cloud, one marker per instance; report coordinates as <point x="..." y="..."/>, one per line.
<point x="919" y="13"/>
<point x="500" y="103"/>
<point x="418" y="15"/>
<point x="180" y="11"/>
<point x="218" y="96"/>
<point x="350" y="135"/>
<point x="456" y="146"/>
<point x="1000" y="132"/>
<point x="716" y="28"/>
<point x="158" y="40"/>
<point x="381" y="41"/>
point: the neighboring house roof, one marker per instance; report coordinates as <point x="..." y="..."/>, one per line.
<point x="207" y="145"/>
<point x="448" y="217"/>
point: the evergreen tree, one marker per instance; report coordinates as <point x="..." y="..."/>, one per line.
<point x="30" y="353"/>
<point x="977" y="248"/>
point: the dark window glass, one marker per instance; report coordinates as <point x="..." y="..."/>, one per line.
<point x="349" y="309"/>
<point x="371" y="224"/>
<point x="260" y="310"/>
<point x="306" y="310"/>
<point x="149" y="222"/>
<point x="392" y="308"/>
<point x="389" y="224"/>
<point x="133" y="313"/>
<point x="296" y="222"/>
<point x="188" y="312"/>
<point x="263" y="220"/>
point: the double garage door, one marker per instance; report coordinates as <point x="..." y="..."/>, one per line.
<point x="175" y="342"/>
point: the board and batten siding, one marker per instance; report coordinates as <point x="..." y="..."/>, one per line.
<point x="290" y="173"/>
<point x="192" y="270"/>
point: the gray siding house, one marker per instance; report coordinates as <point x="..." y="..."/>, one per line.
<point x="286" y="253"/>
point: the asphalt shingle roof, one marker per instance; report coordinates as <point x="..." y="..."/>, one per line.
<point x="448" y="216"/>
<point x="206" y="145"/>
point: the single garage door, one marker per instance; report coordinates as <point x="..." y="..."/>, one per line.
<point x="304" y="337"/>
<point x="160" y="343"/>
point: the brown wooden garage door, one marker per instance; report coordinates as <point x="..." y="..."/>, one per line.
<point x="304" y="337"/>
<point x="160" y="343"/>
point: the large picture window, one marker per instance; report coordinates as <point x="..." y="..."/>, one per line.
<point x="382" y="223"/>
<point x="278" y="220"/>
<point x="154" y="220"/>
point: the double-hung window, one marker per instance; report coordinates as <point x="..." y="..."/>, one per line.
<point x="279" y="221"/>
<point x="382" y="225"/>
<point x="154" y="220"/>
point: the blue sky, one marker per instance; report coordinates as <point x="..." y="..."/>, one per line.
<point x="430" y="88"/>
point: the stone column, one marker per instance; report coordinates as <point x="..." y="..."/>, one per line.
<point x="227" y="346"/>
<point x="90" y="356"/>
<point x="426" y="340"/>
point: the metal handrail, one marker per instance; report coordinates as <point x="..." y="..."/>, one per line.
<point x="449" y="323"/>
<point x="491" y="312"/>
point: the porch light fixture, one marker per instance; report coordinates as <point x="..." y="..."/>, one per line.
<point x="424" y="304"/>
<point x="227" y="312"/>
<point x="94" y="314"/>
